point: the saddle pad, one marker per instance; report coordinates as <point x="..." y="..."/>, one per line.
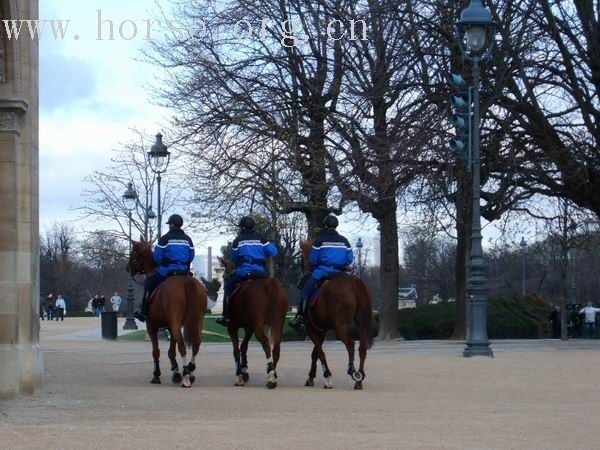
<point x="317" y="295"/>
<point x="154" y="294"/>
<point x="239" y="287"/>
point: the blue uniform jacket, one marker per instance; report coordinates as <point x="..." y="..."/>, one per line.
<point x="330" y="253"/>
<point x="250" y="251"/>
<point x="174" y="251"/>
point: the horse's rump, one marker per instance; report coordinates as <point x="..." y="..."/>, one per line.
<point x="347" y="295"/>
<point x="262" y="297"/>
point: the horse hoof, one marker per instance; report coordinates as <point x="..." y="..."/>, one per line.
<point x="245" y="377"/>
<point x="271" y="384"/>
<point x="192" y="379"/>
<point x="186" y="382"/>
<point x="238" y="383"/>
<point x="176" y="378"/>
<point x="357" y="376"/>
<point x="309" y="382"/>
<point x="358" y="385"/>
<point x="327" y="387"/>
<point x="155" y="380"/>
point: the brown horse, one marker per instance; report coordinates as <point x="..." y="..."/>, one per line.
<point x="257" y="304"/>
<point x="179" y="302"/>
<point x="342" y="299"/>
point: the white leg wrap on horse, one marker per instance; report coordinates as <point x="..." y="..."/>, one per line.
<point x="184" y="359"/>
<point x="270" y="360"/>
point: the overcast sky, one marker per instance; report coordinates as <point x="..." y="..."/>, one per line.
<point x="92" y="93"/>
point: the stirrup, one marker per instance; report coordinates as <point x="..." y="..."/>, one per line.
<point x="297" y="322"/>
<point x="139" y="316"/>
<point x="222" y="320"/>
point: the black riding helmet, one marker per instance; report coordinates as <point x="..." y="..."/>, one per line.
<point x="247" y="223"/>
<point x="176" y="220"/>
<point x="330" y="222"/>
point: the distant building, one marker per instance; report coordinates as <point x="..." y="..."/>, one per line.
<point x="407" y="297"/>
<point x="200" y="266"/>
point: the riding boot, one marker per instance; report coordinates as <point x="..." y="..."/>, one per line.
<point x="224" y="318"/>
<point x="297" y="322"/>
<point x="142" y="313"/>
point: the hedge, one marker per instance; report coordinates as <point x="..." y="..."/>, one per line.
<point x="514" y="318"/>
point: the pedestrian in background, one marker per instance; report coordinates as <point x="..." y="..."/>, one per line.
<point x="102" y="304"/>
<point x="61" y="308"/>
<point x="50" y="305"/>
<point x="555" y="322"/>
<point x="96" y="305"/>
<point x="590" y="319"/>
<point x="115" y="301"/>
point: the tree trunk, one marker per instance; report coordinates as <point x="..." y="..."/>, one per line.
<point x="464" y="218"/>
<point x="389" y="272"/>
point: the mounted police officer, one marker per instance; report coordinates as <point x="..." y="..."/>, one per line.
<point x="331" y="254"/>
<point x="173" y="254"/>
<point x="249" y="252"/>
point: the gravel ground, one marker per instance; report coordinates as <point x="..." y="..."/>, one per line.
<point x="533" y="394"/>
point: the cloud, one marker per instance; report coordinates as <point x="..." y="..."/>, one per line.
<point x="64" y="80"/>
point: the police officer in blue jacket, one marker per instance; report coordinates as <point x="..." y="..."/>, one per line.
<point x="331" y="254"/>
<point x="173" y="254"/>
<point x="249" y="252"/>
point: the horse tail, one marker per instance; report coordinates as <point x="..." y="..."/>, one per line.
<point x="191" y="321"/>
<point x="277" y="310"/>
<point x="364" y="313"/>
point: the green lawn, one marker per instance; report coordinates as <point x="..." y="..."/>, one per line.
<point x="212" y="332"/>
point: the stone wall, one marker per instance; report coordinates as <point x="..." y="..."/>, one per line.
<point x="20" y="355"/>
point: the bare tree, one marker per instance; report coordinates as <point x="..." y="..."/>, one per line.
<point x="247" y="105"/>
<point x="104" y="192"/>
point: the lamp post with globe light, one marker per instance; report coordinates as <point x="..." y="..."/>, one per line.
<point x="130" y="202"/>
<point x="475" y="34"/>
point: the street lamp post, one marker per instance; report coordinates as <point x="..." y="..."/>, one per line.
<point x="159" y="158"/>
<point x="474" y="29"/>
<point x="359" y="246"/>
<point x="130" y="202"/>
<point x="523" y="245"/>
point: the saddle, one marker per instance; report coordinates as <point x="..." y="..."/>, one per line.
<point x="247" y="279"/>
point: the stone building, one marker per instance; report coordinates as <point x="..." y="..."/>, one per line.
<point x="20" y="355"/>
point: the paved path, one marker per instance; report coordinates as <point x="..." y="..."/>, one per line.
<point x="533" y="394"/>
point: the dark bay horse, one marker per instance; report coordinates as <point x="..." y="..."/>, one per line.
<point x="179" y="303"/>
<point x="255" y="305"/>
<point x="342" y="299"/>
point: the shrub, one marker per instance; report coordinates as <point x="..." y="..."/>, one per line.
<point x="514" y="318"/>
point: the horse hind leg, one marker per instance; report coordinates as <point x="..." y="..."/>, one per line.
<point x="176" y="376"/>
<point x="244" y="355"/>
<point x="233" y="335"/>
<point x="266" y="345"/>
<point x="178" y="337"/>
<point x="362" y="353"/>
<point x="344" y="336"/>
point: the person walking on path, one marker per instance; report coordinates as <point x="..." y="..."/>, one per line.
<point x="102" y="304"/>
<point x="96" y="305"/>
<point x="555" y="322"/>
<point x="590" y="319"/>
<point x="50" y="305"/>
<point x="61" y="308"/>
<point x="115" y="301"/>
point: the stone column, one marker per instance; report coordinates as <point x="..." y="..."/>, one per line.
<point x="20" y="355"/>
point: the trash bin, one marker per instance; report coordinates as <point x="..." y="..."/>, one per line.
<point x="109" y="325"/>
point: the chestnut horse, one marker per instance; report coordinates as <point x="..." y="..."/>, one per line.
<point x="342" y="299"/>
<point x="256" y="304"/>
<point x="179" y="302"/>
